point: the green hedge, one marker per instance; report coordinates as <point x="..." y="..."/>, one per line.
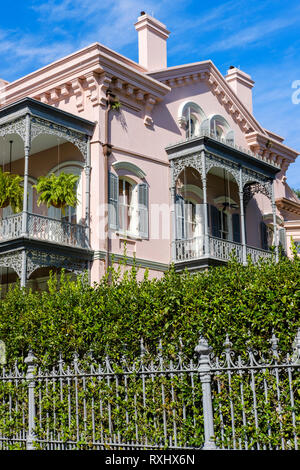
<point x="248" y="303"/>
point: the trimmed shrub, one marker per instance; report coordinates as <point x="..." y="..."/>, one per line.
<point x="248" y="303"/>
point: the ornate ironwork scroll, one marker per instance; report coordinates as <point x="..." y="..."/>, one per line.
<point x="40" y="259"/>
<point x="41" y="126"/>
<point x="12" y="261"/>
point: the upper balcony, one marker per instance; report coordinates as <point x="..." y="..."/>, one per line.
<point x="37" y="140"/>
<point x="224" y="203"/>
<point x="45" y="229"/>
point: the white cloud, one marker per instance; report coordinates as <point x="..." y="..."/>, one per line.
<point x="253" y="34"/>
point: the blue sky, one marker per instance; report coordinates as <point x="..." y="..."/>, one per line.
<point x="260" y="37"/>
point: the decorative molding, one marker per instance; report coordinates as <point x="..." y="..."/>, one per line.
<point x="288" y="205"/>
<point x="39" y="259"/>
<point x="105" y="81"/>
<point x="18" y="126"/>
<point x="13" y="261"/>
<point x="121" y="165"/>
<point x="78" y="92"/>
<point x="41" y="126"/>
<point x="142" y="263"/>
<point x="92" y="87"/>
<point x="149" y="104"/>
<point x="259" y="187"/>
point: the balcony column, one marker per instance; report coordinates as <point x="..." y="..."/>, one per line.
<point x="25" y="193"/>
<point x="204" y="185"/>
<point x="87" y="169"/>
<point x="275" y="223"/>
<point x="173" y="213"/>
<point x="24" y="232"/>
<point x="242" y="214"/>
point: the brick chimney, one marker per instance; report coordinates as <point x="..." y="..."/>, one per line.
<point x="242" y="85"/>
<point x="152" y="38"/>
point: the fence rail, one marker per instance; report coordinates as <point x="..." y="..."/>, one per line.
<point x="205" y="402"/>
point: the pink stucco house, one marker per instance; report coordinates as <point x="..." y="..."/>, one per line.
<point x="182" y="172"/>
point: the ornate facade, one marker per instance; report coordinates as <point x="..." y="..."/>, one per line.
<point x="172" y="165"/>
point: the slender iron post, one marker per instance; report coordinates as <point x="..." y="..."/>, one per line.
<point x="275" y="223"/>
<point x="173" y="212"/>
<point x="204" y="185"/>
<point x="87" y="169"/>
<point x="203" y="350"/>
<point x="25" y="193"/>
<point x="242" y="214"/>
<point x="30" y="361"/>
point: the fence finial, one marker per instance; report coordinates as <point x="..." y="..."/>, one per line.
<point x="202" y="348"/>
<point x="227" y="344"/>
<point x="30" y="359"/>
<point x="142" y="347"/>
<point x="274" y="344"/>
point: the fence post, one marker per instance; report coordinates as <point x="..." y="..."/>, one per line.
<point x="203" y="349"/>
<point x="30" y="361"/>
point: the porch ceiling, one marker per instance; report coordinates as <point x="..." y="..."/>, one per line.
<point x="40" y="144"/>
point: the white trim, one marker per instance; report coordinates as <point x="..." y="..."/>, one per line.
<point x="123" y="165"/>
<point x="65" y="164"/>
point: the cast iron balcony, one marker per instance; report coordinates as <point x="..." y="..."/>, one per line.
<point x="44" y="229"/>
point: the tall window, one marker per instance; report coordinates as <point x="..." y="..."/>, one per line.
<point x="191" y="125"/>
<point x="126" y="206"/>
<point x="224" y="225"/>
<point x="190" y="218"/>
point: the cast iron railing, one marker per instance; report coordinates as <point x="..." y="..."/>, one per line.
<point x="229" y="401"/>
<point x="45" y="229"/>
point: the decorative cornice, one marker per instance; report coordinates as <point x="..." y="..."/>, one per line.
<point x="86" y="74"/>
<point x="207" y="72"/>
<point x="288" y="205"/>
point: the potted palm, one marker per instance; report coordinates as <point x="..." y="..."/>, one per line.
<point x="57" y="191"/>
<point x="11" y="191"/>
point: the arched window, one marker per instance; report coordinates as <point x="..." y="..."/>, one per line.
<point x="190" y="117"/>
<point x="220" y="128"/>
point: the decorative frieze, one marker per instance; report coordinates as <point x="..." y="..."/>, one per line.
<point x="78" y="92"/>
<point x="17" y="126"/>
<point x="41" y="126"/>
<point x="39" y="259"/>
<point x="12" y="261"/>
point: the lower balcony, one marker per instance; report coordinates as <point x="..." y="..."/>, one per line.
<point x="44" y="229"/>
<point x="47" y="244"/>
<point x="191" y="253"/>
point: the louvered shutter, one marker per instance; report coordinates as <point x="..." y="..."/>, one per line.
<point x="230" y="138"/>
<point x="236" y="228"/>
<point x="215" y="222"/>
<point x="143" y="203"/>
<point x="179" y="206"/>
<point x="264" y="236"/>
<point x="204" y="128"/>
<point x="282" y="238"/>
<point x="113" y="200"/>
